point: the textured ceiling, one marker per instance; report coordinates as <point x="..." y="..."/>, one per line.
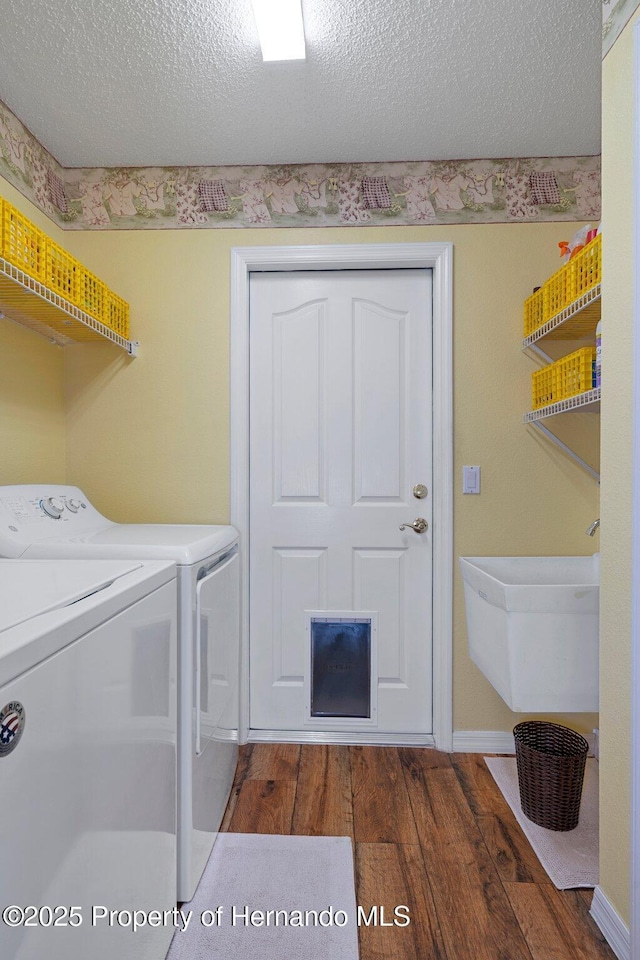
<point x="163" y="82"/>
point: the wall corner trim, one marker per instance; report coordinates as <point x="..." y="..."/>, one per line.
<point x="611" y="924"/>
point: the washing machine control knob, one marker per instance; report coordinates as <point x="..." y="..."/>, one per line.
<point x="73" y="505"/>
<point x="52" y="507"/>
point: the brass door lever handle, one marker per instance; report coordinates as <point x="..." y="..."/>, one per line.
<point x="419" y="525"/>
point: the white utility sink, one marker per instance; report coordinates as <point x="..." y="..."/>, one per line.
<point x="532" y="624"/>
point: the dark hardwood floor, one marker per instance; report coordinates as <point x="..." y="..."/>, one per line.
<point x="430" y="830"/>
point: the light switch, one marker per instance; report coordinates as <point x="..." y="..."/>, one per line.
<point x="471" y="479"/>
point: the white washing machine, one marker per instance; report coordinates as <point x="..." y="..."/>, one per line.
<point x="59" y="522"/>
<point x="88" y="739"/>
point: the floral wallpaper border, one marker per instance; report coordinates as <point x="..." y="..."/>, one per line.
<point x="615" y="16"/>
<point x="309" y="195"/>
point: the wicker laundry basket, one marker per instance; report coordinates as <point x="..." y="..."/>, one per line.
<point x="551" y="761"/>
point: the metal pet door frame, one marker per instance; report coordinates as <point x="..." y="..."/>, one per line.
<point x="337" y="723"/>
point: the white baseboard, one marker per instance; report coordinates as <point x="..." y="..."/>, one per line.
<point x="483" y="741"/>
<point x="335" y="737"/>
<point x="615" y="931"/>
<point x="492" y="741"/>
<point x="464" y="741"/>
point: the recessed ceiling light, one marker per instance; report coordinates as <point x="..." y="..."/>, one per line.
<point x="280" y="29"/>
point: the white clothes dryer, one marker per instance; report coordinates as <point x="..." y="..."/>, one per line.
<point x="88" y="739"/>
<point x="54" y="521"/>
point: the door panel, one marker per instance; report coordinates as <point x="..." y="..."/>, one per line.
<point x="340" y="432"/>
<point x="298" y="409"/>
<point x="378" y="579"/>
<point x="299" y="581"/>
<point x="379" y="404"/>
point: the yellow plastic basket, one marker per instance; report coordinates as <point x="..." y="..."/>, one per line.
<point x="116" y="314"/>
<point x="543" y="387"/>
<point x="62" y="272"/>
<point x="91" y="294"/>
<point x="31" y="250"/>
<point x="568" y="283"/>
<point x="574" y="373"/>
<point x="556" y="293"/>
<point x="534" y="312"/>
<point x="586" y="268"/>
<point x="23" y="244"/>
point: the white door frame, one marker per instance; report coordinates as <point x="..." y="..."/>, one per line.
<point x="439" y="258"/>
<point x="635" y="569"/>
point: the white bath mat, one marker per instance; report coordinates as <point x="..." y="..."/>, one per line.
<point x="569" y="857"/>
<point x="309" y="881"/>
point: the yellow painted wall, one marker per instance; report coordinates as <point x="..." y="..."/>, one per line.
<point x="617" y="435"/>
<point x="32" y="421"/>
<point x="148" y="439"/>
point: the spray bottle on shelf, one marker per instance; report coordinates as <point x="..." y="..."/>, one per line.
<point x="598" y="376"/>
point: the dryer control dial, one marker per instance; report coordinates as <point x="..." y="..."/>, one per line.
<point x="52" y="507"/>
<point x="73" y="505"/>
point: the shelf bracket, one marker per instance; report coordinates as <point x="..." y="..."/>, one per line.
<point x="563" y="446"/>
<point x="539" y="352"/>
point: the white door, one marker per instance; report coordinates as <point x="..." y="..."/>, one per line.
<point x="340" y="434"/>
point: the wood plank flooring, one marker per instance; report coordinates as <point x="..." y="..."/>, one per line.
<point x="430" y="830"/>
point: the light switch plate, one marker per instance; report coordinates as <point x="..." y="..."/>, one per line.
<point x="471" y="479"/>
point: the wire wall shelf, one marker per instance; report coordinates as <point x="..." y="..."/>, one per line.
<point x="32" y="304"/>
<point x="588" y="402"/>
<point x="584" y="313"/>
